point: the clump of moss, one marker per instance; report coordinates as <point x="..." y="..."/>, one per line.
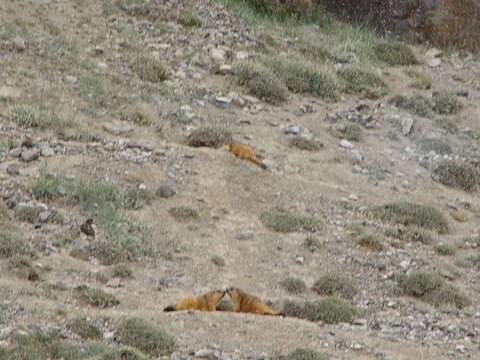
<point x="23" y="268"/>
<point x="210" y="137"/>
<point x="445" y="249"/>
<point x="358" y="79"/>
<point x="407" y="213"/>
<point x="122" y="271"/>
<point x="305" y="144"/>
<point x="136" y="198"/>
<point x="431" y="288"/>
<point x="395" y="54"/>
<point x="419" y="234"/>
<point x="183" y="213"/>
<point x="294" y="285"/>
<point x="305" y="78"/>
<point x="85" y="329"/>
<point x="331" y="310"/>
<point x="306" y="354"/>
<point x="218" y="260"/>
<point x="150" y="69"/>
<point x="285" y="222"/>
<point x="446" y="103"/>
<point x="334" y="284"/>
<point x="416" y="104"/>
<point x="437" y="145"/>
<point x="96" y="297"/>
<point x="371" y="241"/>
<point x="261" y="82"/>
<point x="456" y="174"/>
<point x="146" y="337"/>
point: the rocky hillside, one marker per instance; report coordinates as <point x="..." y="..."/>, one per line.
<point x="116" y="201"/>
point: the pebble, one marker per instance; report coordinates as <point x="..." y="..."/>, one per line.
<point x="13" y="170"/>
<point x="205" y="353"/>
<point x="346" y="144"/>
<point x="117" y="127"/>
<point x="165" y="191"/>
<point x="217" y="54"/>
<point x="30" y="155"/>
<point x="225" y="69"/>
<point x="300" y="260"/>
<point x="114" y="283"/>
<point x="9" y="93"/>
<point x="291" y="130"/>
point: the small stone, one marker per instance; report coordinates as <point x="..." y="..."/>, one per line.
<point x="405" y="264"/>
<point x="433" y="53"/>
<point x="407" y="124"/>
<point x="30" y="155"/>
<point x="217" y="54"/>
<point x="353" y="197"/>
<point x="223" y="101"/>
<point x="266" y="163"/>
<point x="360" y="322"/>
<point x="9" y="93"/>
<point x="225" y="69"/>
<point x="117" y="127"/>
<point x="13" y="170"/>
<point x="357" y="169"/>
<point x="205" y="353"/>
<point x="114" y="283"/>
<point x="244" y="236"/>
<point x="165" y="191"/>
<point x="71" y="79"/>
<point x="346" y="144"/>
<point x="19" y="44"/>
<point x="44" y="216"/>
<point x="291" y="130"/>
<point x="16" y="153"/>
<point x="462" y="93"/>
<point x="300" y="260"/>
<point x="47" y="151"/>
<point x="358" y="155"/>
<point x="241" y="55"/>
<point x="434" y="62"/>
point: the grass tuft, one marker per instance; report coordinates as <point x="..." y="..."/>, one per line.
<point x="183" y="213"/>
<point x="358" y="80"/>
<point x="437" y="145"/>
<point x="150" y="69"/>
<point x="331" y="310"/>
<point x="306" y="354"/>
<point x="334" y="284"/>
<point x="305" y="144"/>
<point x="446" y="103"/>
<point x="407" y="213"/>
<point x="85" y="329"/>
<point x="24" y="115"/>
<point x="371" y="241"/>
<point x="145" y="337"/>
<point x="261" y="82"/>
<point x="456" y="174"/>
<point x="395" y="54"/>
<point x="416" y="104"/>
<point x="210" y="137"/>
<point x="294" y="285"/>
<point x="96" y="297"/>
<point x="285" y="222"/>
<point x="23" y="268"/>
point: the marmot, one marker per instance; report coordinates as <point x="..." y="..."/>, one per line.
<point x="206" y="302"/>
<point x="243" y="302"/>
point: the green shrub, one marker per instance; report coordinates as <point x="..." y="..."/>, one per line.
<point x="304" y="78"/>
<point x="306" y="354"/>
<point x="305" y="144"/>
<point x="96" y="297"/>
<point x="331" y="310"/>
<point x="46" y="186"/>
<point x="395" y="54"/>
<point x="415" y="233"/>
<point x="334" y="284"/>
<point x="314" y="51"/>
<point x="150" y="69"/>
<point x="183" y="213"/>
<point x="437" y="145"/>
<point x="445" y="249"/>
<point x="145" y="337"/>
<point x="261" y="82"/>
<point x="407" y="213"/>
<point x="456" y="174"/>
<point x="140" y="114"/>
<point x="24" y="115"/>
<point x="358" y="79"/>
<point x="431" y="288"/>
<point x="85" y="329"/>
<point x="13" y="243"/>
<point x="189" y="20"/>
<point x="422" y="81"/>
<point x="282" y="221"/>
<point x="122" y="271"/>
<point x="285" y="8"/>
<point x="210" y="137"/>
<point x="218" y="260"/>
<point x="416" y="104"/>
<point x="446" y="103"/>
<point x="371" y="241"/>
<point x="312" y="243"/>
<point x="136" y="198"/>
<point x="122" y="353"/>
<point x="294" y="285"/>
<point x="93" y="194"/>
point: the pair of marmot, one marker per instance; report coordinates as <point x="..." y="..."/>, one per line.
<point x="242" y="302"/>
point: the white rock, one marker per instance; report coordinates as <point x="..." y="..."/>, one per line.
<point x="225" y="69"/>
<point x="434" y="62"/>
<point x="241" y="55"/>
<point x="217" y="54"/>
<point x="346" y="144"/>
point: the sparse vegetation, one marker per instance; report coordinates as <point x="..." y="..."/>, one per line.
<point x="371" y="241"/>
<point x="437" y="145"/>
<point x="416" y="104"/>
<point x="422" y="81"/>
<point x="121" y="353"/>
<point x="23" y="268"/>
<point x="95" y="297"/>
<point x="122" y="271"/>
<point x="140" y="114"/>
<point x="431" y="288"/>
<point x="304" y="78"/>
<point x="24" y="115"/>
<point x="145" y="337"/>
<point x="294" y="285"/>
<point x="358" y="80"/>
<point x="183" y="213"/>
<point x="285" y="222"/>
<point x="85" y="329"/>
<point x="349" y="130"/>
<point x="419" y="234"/>
<point x="46" y="186"/>
<point x="218" y="260"/>
<point x="13" y="243"/>
<point x="210" y="137"/>
<point x="407" y="213"/>
<point x="446" y="103"/>
<point x="456" y="174"/>
<point x="312" y="243"/>
<point x="189" y="20"/>
<point x="261" y="82"/>
<point x="305" y="144"/>
<point x="306" y="354"/>
<point x="331" y="310"/>
<point x="445" y="249"/>
<point x="136" y="198"/>
<point x="395" y="54"/>
<point x="334" y="284"/>
<point x="150" y="69"/>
